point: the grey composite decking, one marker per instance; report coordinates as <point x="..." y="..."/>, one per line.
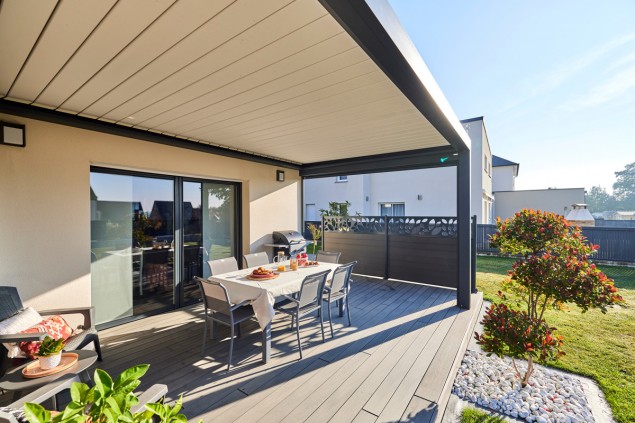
<point x="395" y="363"/>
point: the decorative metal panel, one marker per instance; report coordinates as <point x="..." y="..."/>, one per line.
<point x="423" y="226"/>
<point x="359" y="224"/>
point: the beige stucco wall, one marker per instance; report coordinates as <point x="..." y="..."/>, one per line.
<point x="45" y="206"/>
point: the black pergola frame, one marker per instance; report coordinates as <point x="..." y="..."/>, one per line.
<point x="378" y="32"/>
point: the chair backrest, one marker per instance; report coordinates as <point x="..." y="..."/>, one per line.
<point x="10" y="302"/>
<point x="256" y="259"/>
<point x="328" y="257"/>
<point x="223" y="265"/>
<point x="342" y="276"/>
<point x="312" y="289"/>
<point x="158" y="256"/>
<point x="215" y="296"/>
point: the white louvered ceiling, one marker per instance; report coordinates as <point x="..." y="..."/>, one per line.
<point x="279" y="78"/>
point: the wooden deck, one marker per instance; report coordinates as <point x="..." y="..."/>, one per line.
<point x="393" y="364"/>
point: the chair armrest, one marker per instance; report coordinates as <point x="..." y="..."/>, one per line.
<point x="23" y="337"/>
<point x="244" y="303"/>
<point x="88" y="313"/>
<point x="291" y="299"/>
<point x="152" y="394"/>
<point x="47" y="391"/>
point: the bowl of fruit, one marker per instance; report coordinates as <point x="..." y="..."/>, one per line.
<point x="302" y="258"/>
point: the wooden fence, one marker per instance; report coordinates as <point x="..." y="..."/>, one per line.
<point x="411" y="248"/>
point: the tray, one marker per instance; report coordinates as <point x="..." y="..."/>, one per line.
<point x="33" y="370"/>
<point x="255" y="278"/>
<point x="310" y="265"/>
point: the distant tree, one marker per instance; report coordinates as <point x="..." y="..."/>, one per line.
<point x="624" y="187"/>
<point x="599" y="200"/>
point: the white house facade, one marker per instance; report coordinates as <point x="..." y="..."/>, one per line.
<point x="421" y="192"/>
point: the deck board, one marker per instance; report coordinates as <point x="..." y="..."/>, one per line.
<point x="403" y="338"/>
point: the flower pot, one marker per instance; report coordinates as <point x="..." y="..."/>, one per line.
<point x="50" y="362"/>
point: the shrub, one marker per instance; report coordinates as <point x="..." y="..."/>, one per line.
<point x="553" y="269"/>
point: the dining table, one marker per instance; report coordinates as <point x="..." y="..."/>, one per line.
<point x="262" y="294"/>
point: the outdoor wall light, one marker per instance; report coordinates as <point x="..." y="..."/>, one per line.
<point x="280" y="175"/>
<point x="419" y="197"/>
<point x="12" y="134"/>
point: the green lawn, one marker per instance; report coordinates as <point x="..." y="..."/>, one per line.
<point x="472" y="415"/>
<point x="599" y="346"/>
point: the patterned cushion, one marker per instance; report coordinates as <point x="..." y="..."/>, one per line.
<point x="55" y="326"/>
<point x="16" y="324"/>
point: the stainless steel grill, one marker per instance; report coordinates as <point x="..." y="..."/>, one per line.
<point x="290" y="241"/>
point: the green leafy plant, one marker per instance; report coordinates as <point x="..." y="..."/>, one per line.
<point x="50" y="346"/>
<point x="553" y="269"/>
<point x="316" y="234"/>
<point x="107" y="401"/>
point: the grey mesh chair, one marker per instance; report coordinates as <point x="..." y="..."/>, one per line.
<point x="256" y="259"/>
<point x="308" y="300"/>
<point x="224" y="265"/>
<point x="328" y="257"/>
<point x="219" y="309"/>
<point x="338" y="291"/>
<point x="11" y="304"/>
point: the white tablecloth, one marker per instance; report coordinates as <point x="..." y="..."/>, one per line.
<point x="262" y="294"/>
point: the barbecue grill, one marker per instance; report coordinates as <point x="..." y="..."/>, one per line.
<point x="291" y="242"/>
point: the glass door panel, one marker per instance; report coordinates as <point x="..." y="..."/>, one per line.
<point x="209" y="214"/>
<point x="132" y="233"/>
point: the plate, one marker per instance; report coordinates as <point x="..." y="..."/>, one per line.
<point x="311" y="265"/>
<point x="262" y="278"/>
<point x="33" y="370"/>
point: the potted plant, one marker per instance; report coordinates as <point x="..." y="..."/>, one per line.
<point x="110" y="400"/>
<point x="50" y="352"/>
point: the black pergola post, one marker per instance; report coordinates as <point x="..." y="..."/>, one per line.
<point x="464" y="287"/>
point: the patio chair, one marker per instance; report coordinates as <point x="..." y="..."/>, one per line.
<point x="224" y="265"/>
<point x="13" y="412"/>
<point x="219" y="309"/>
<point x="256" y="259"/>
<point x="338" y="290"/>
<point x="11" y="305"/>
<point x="328" y="257"/>
<point x="308" y="300"/>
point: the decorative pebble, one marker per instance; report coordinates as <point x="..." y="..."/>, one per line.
<point x="549" y="396"/>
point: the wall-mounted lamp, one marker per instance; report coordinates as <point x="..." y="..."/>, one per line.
<point x="280" y="175"/>
<point x="419" y="197"/>
<point x="367" y="198"/>
<point x="12" y="134"/>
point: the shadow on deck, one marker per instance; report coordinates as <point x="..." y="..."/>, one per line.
<point x="395" y="363"/>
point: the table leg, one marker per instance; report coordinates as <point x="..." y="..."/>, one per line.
<point x="214" y="333"/>
<point x="341" y="307"/>
<point x="85" y="377"/>
<point x="266" y="343"/>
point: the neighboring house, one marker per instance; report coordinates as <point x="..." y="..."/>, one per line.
<point x="421" y="192"/>
<point x="505" y="174"/>
<point x="551" y="200"/>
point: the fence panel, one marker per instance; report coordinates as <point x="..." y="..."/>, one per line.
<point x="616" y="244"/>
<point x="412" y="248"/>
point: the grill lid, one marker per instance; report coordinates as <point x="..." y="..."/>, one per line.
<point x="289" y="237"/>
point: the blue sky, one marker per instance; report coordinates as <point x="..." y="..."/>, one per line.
<point x="555" y="81"/>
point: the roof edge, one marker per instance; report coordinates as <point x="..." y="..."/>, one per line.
<point x="377" y="30"/>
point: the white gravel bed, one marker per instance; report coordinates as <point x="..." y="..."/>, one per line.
<point x="550" y="396"/>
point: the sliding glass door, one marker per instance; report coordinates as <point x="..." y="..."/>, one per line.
<point x="140" y="263"/>
<point x="209" y="232"/>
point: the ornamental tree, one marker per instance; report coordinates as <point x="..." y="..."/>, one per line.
<point x="553" y="269"/>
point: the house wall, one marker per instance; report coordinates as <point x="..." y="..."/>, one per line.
<point x="45" y="212"/>
<point x="551" y="200"/>
<point x="481" y="193"/>
<point x="503" y="178"/>
<point x="436" y="186"/>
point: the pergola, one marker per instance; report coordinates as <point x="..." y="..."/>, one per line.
<point x="325" y="87"/>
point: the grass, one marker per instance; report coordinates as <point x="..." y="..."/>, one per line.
<point x="472" y="415"/>
<point x="600" y="346"/>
